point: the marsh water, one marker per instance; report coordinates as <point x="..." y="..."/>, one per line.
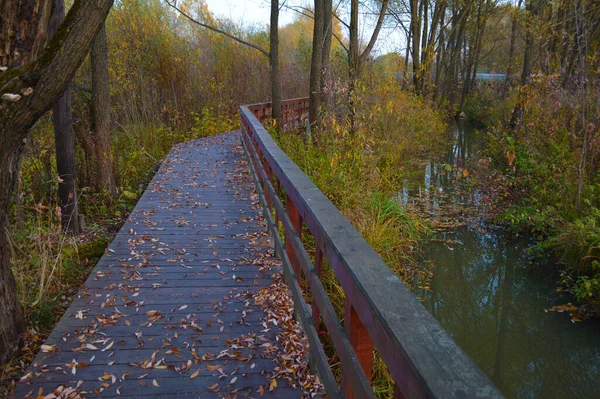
<point x="491" y="296"/>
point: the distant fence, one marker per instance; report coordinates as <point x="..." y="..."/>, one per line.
<point x="380" y="312"/>
<point x="479" y="77"/>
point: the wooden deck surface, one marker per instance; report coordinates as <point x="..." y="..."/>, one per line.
<point x="169" y="311"/>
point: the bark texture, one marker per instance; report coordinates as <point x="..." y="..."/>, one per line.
<point x="316" y="63"/>
<point x="102" y="109"/>
<point x="65" y="143"/>
<point x="27" y="91"/>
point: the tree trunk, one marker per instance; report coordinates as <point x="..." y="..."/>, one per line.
<point x="415" y="26"/>
<point x="316" y="63"/>
<point x="274" y="63"/>
<point x="326" y="81"/>
<point x="530" y="11"/>
<point x="406" y="58"/>
<point x="12" y="322"/>
<point x="27" y="92"/>
<point x="101" y="104"/>
<point x="513" y="40"/>
<point x="440" y="57"/>
<point x="65" y="143"/>
<point x="354" y="58"/>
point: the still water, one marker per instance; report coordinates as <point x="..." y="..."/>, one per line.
<point x="491" y="297"/>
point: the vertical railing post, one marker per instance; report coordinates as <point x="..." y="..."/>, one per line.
<point x="316" y="313"/>
<point x="269" y="172"/>
<point x="296" y="220"/>
<point x="277" y="195"/>
<point x="361" y="342"/>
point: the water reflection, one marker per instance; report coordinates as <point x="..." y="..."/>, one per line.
<point x="438" y="188"/>
<point x="491" y="298"/>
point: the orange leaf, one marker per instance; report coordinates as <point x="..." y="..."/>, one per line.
<point x="214" y="387"/>
<point x="510" y="156"/>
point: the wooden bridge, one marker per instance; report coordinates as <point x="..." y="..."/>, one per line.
<point x="187" y="302"/>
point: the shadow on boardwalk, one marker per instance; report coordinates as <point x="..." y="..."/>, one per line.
<point x="178" y="305"/>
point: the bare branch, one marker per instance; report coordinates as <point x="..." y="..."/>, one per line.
<point x="307" y="12"/>
<point x="172" y="4"/>
<point x="340" y="41"/>
<point x="382" y="12"/>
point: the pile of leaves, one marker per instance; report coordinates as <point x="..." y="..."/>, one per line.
<point x="291" y="353"/>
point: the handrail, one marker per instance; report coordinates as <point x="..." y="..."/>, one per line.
<point x="380" y="312"/>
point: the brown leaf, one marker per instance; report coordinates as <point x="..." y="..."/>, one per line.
<point x="214" y="387"/>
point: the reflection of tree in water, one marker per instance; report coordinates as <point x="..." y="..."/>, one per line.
<point x="492" y="300"/>
<point x="438" y="190"/>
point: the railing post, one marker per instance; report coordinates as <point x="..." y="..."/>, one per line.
<point x="362" y="344"/>
<point x="296" y="220"/>
<point x="269" y="172"/>
<point x="277" y="195"/>
<point x="316" y="313"/>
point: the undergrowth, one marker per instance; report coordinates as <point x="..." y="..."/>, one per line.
<point x="361" y="171"/>
<point x="550" y="157"/>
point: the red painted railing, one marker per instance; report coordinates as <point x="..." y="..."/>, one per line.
<point x="380" y="312"/>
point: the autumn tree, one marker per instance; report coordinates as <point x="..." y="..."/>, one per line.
<point x="31" y="82"/>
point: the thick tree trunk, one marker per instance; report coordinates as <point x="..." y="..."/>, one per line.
<point x="27" y="92"/>
<point x="11" y="313"/>
<point x="102" y="109"/>
<point x="65" y="142"/>
<point x="65" y="163"/>
<point x="19" y="45"/>
<point x="274" y="63"/>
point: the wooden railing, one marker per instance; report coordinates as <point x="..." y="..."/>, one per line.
<point x="380" y="312"/>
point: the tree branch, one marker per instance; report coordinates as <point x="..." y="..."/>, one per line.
<point x="172" y="4"/>
<point x="307" y="12"/>
<point x="369" y="48"/>
<point x="48" y="76"/>
<point x="340" y="41"/>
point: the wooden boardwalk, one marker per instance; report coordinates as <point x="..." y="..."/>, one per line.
<point x="169" y="310"/>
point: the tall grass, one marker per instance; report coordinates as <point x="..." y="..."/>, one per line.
<point x="361" y="172"/>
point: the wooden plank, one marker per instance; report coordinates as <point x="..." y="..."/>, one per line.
<point x="179" y="275"/>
